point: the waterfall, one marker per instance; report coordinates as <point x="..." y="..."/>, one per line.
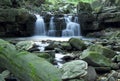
<point x="39" y="26"/>
<point x="51" y="31"/>
<point x="72" y="28"/>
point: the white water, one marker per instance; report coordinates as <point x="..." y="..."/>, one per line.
<point x="51" y="31"/>
<point x="39" y="26"/>
<point x="72" y="28"/>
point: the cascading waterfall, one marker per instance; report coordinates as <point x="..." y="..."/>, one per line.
<point x="72" y="28"/>
<point x="51" y="31"/>
<point x="39" y="26"/>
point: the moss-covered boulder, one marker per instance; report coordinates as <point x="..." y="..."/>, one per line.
<point x="48" y="56"/>
<point x="66" y="46"/>
<point x="102" y="50"/>
<point x="77" y="43"/>
<point x="95" y="59"/>
<point x="27" y="66"/>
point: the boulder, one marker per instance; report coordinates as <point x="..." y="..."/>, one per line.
<point x="77" y="44"/>
<point x="66" y="46"/>
<point x="27" y="66"/>
<point x="24" y="45"/>
<point x="95" y="59"/>
<point x="101" y="50"/>
<point x="74" y="69"/>
<point x="89" y="77"/>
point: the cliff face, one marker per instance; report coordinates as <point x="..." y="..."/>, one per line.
<point x="14" y="19"/>
<point x="99" y="15"/>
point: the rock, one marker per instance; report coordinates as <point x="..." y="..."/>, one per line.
<point x="102" y="50"/>
<point x="114" y="66"/>
<point x="27" y="66"/>
<point x="8" y="15"/>
<point x="24" y="45"/>
<point x="49" y="57"/>
<point x="77" y="80"/>
<point x="112" y="79"/>
<point x="52" y="46"/>
<point x="95" y="59"/>
<point x="16" y="22"/>
<point x="77" y="44"/>
<point x="103" y="79"/>
<point x="91" y="74"/>
<point x="4" y="75"/>
<point x="102" y="69"/>
<point x="73" y="69"/>
<point x="66" y="46"/>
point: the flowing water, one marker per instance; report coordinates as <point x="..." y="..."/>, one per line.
<point x="72" y="28"/>
<point x="51" y="31"/>
<point x="40" y="26"/>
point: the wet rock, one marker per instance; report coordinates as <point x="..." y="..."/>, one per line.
<point x="91" y="75"/>
<point x="24" y="45"/>
<point x="77" y="80"/>
<point x="53" y="45"/>
<point x="66" y="46"/>
<point x="102" y="69"/>
<point x="74" y="69"/>
<point x="114" y="66"/>
<point x="69" y="57"/>
<point x="4" y="75"/>
<point x="95" y="59"/>
<point x="102" y="79"/>
<point x="102" y="50"/>
<point x="77" y="44"/>
<point x="48" y="56"/>
<point x="112" y="79"/>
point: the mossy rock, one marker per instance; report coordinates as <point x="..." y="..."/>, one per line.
<point x="26" y="66"/>
<point x="95" y="59"/>
<point x="66" y="46"/>
<point x="47" y="56"/>
<point x="102" y="50"/>
<point x="77" y="43"/>
<point x="24" y="45"/>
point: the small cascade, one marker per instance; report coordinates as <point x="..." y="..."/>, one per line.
<point x="39" y="26"/>
<point x="76" y="19"/>
<point x="51" y="31"/>
<point x="72" y="28"/>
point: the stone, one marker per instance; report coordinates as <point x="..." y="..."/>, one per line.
<point x="73" y="69"/>
<point x="102" y="50"/>
<point x="114" y="66"/>
<point x="95" y="59"/>
<point x="77" y="43"/>
<point x="49" y="57"/>
<point x="24" y="45"/>
<point x="102" y="69"/>
<point x="77" y="80"/>
<point x="27" y="66"/>
<point x="66" y="46"/>
<point x="91" y="74"/>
